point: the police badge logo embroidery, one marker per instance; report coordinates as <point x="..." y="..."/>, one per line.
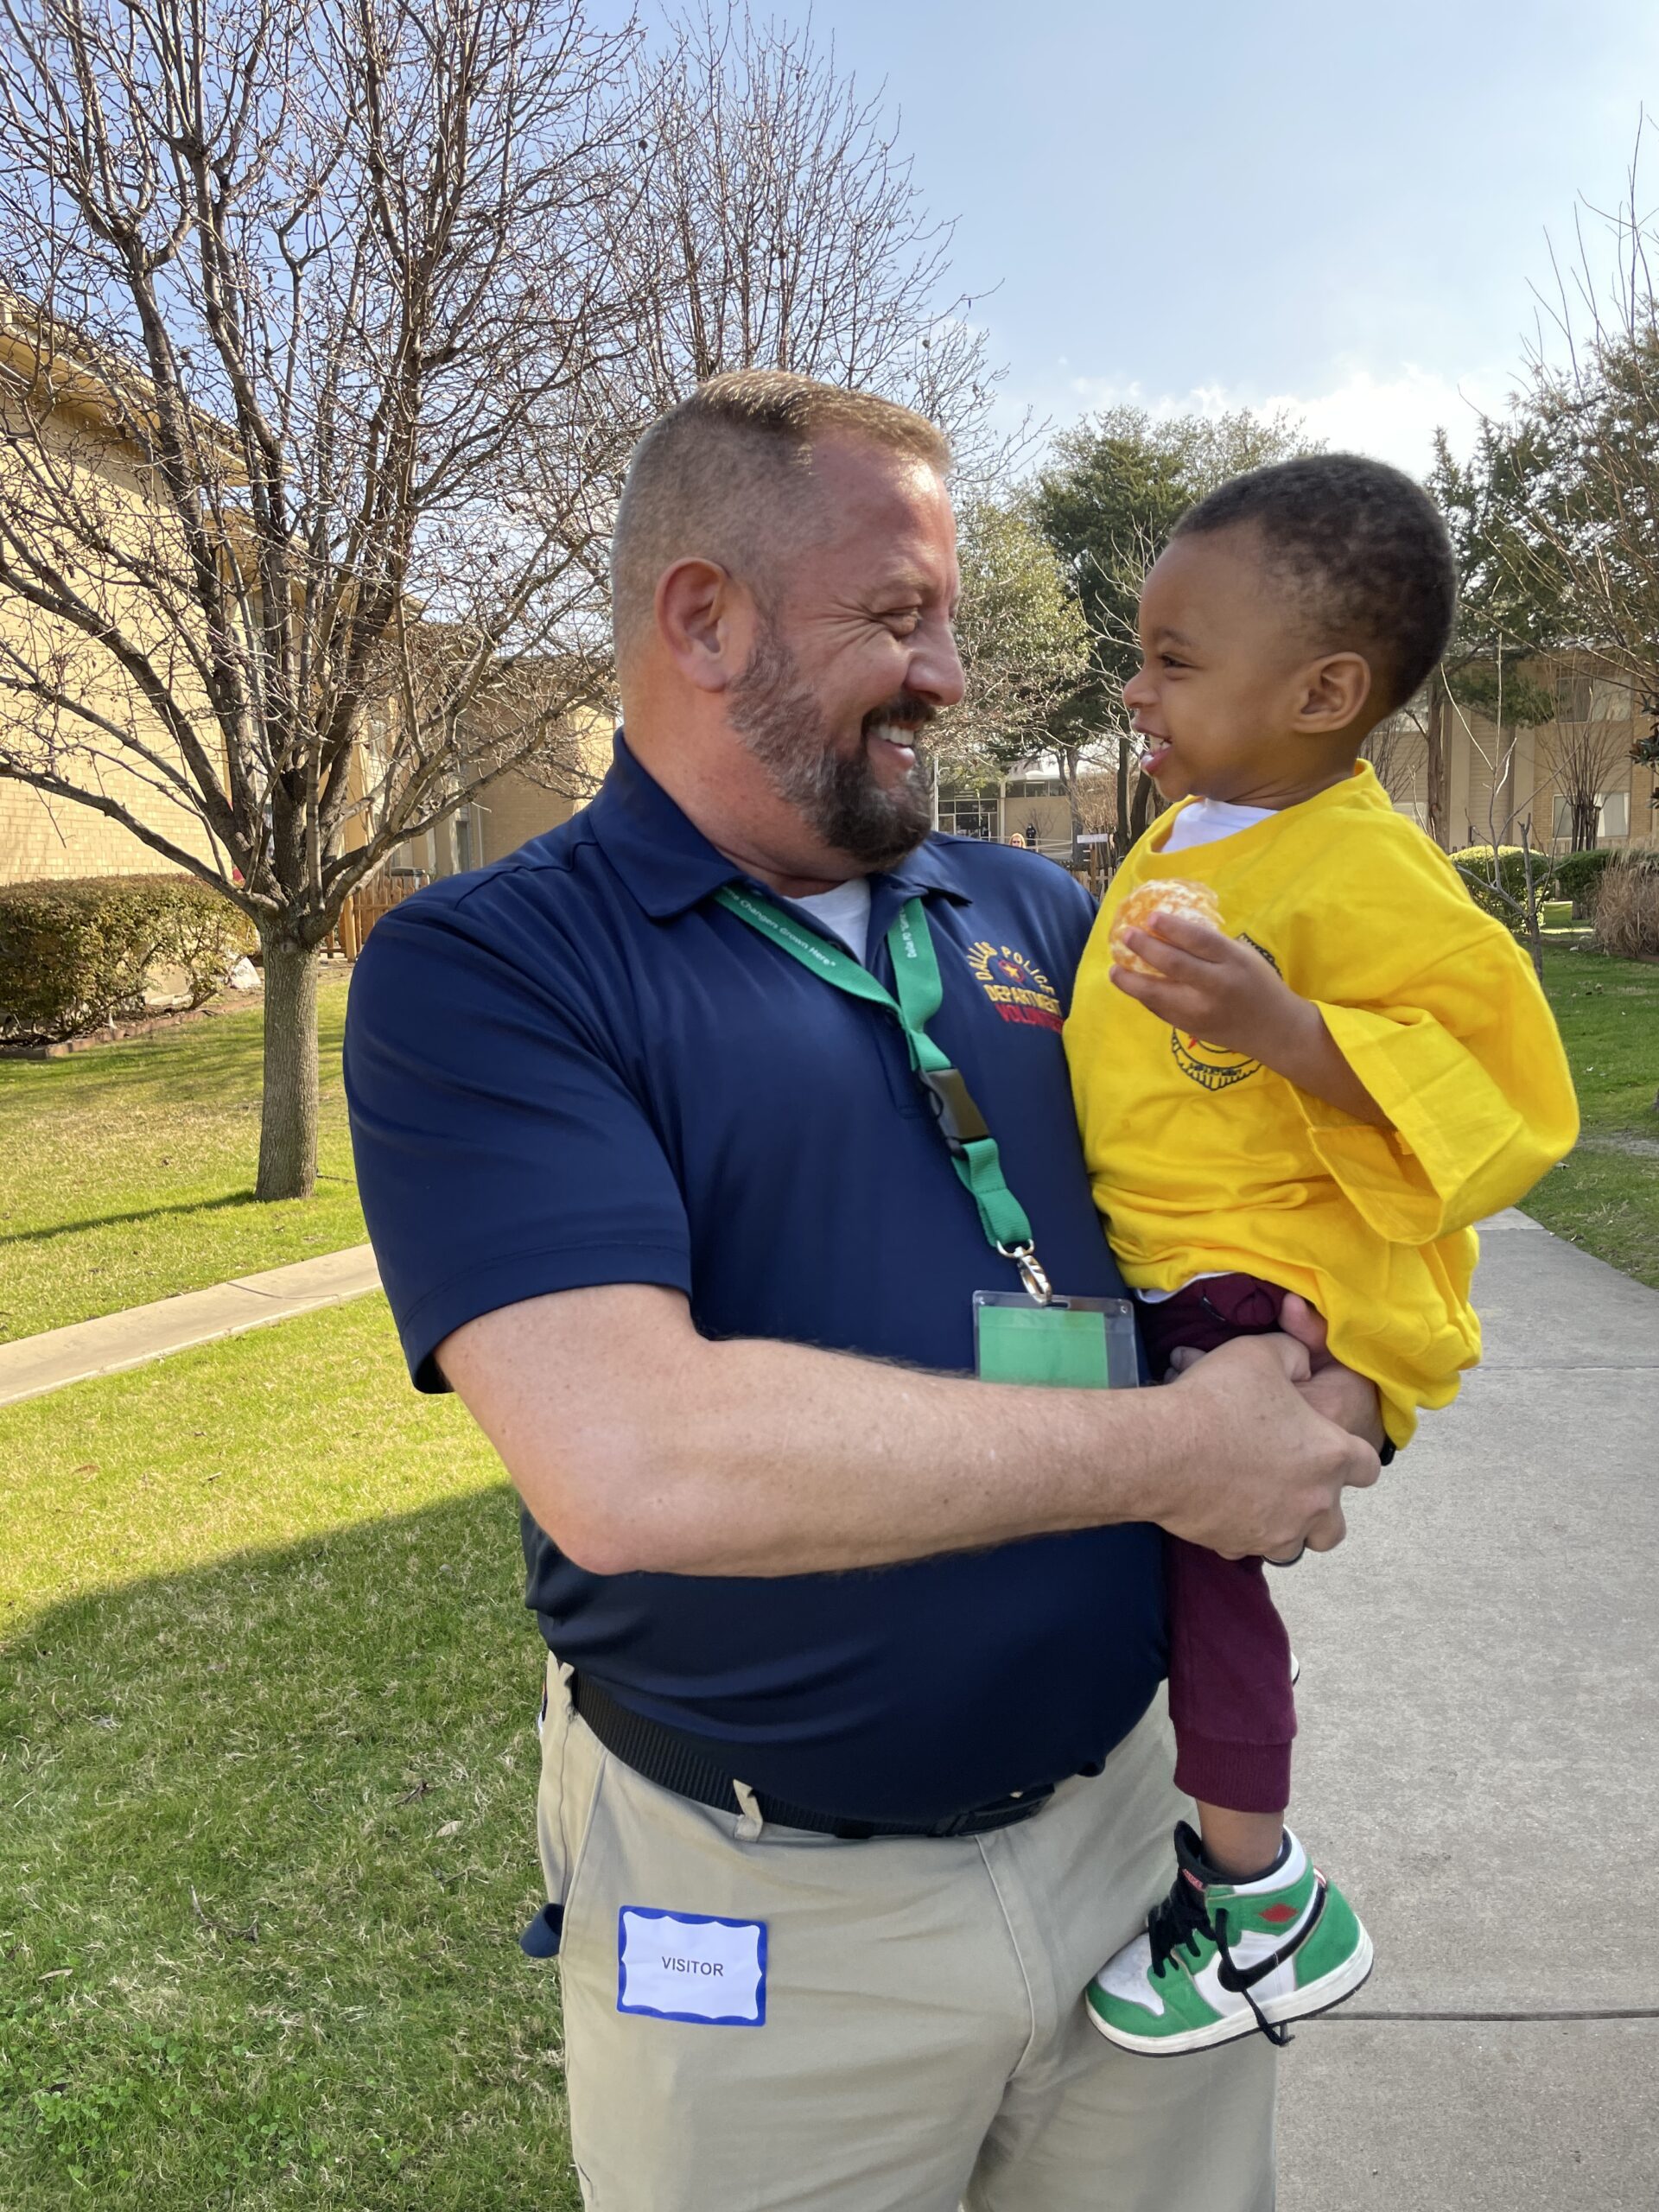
<point x="1213" y="1066"/>
<point x="1015" y="985"/>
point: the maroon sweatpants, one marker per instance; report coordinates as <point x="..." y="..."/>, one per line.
<point x="1229" y="1693"/>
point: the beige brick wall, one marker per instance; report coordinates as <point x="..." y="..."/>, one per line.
<point x="45" y="839"/>
<point x="52" y="839"/>
<point x="514" y="811"/>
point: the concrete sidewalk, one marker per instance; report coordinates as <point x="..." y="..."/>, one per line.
<point x="106" y="1346"/>
<point x="1480" y="1705"/>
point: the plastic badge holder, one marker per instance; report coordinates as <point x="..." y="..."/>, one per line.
<point x="1072" y="1344"/>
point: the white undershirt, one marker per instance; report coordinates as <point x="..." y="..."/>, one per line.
<point x="1207" y="821"/>
<point x="845" y="913"/>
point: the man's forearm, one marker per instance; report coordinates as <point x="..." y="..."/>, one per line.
<point x="647" y="1448"/>
<point x="785" y="1460"/>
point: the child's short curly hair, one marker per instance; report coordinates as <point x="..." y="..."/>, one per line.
<point x="1365" y="549"/>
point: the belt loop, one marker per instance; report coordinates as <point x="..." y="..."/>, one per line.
<point x="555" y="1669"/>
<point x="751" y="1822"/>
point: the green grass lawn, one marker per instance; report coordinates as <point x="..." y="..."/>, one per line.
<point x="128" y="1171"/>
<point x="1605" y="1196"/>
<point x="267" y="1772"/>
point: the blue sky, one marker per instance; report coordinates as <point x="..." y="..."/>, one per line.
<point x="1335" y="207"/>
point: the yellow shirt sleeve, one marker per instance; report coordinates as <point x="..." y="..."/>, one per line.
<point x="1453" y="1037"/>
<point x="1461" y="1146"/>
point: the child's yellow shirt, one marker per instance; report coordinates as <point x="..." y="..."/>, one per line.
<point x="1204" y="1161"/>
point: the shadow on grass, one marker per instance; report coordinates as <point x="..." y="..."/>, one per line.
<point x="139" y="1213"/>
<point x="265" y="1849"/>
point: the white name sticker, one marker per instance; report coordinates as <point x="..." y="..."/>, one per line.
<point x="688" y="1965"/>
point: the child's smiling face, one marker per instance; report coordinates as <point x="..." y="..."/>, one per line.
<point x="1234" y="699"/>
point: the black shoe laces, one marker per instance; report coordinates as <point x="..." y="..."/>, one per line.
<point x="1178" y="1922"/>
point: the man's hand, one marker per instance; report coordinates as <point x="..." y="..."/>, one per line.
<point x="1332" y="1388"/>
<point x="1266" y="1472"/>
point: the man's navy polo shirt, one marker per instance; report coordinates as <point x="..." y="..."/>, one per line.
<point x="575" y="1067"/>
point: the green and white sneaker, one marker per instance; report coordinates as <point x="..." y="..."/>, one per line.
<point x="1219" y="1960"/>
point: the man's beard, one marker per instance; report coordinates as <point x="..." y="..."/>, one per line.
<point x="779" y="720"/>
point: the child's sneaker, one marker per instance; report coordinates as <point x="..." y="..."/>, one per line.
<point x="1220" y="1959"/>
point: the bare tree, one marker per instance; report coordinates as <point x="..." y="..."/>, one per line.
<point x="1396" y="748"/>
<point x="1591" y="406"/>
<point x="1590" y="756"/>
<point x="337" y="327"/>
<point x="1517" y="893"/>
<point x="775" y="224"/>
<point x="297" y="525"/>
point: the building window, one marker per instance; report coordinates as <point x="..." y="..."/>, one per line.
<point x="1612" y="816"/>
<point x="970" y="817"/>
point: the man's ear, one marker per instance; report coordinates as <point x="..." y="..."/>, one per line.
<point x="706" y="621"/>
<point x="1333" y="691"/>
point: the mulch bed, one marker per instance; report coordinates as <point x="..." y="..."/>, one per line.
<point x="123" y="1033"/>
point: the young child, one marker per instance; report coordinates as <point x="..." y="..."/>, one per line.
<point x="1319" y="1096"/>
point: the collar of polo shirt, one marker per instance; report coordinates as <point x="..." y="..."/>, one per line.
<point x="669" y="865"/>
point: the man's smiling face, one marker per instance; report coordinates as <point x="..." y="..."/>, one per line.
<point x="856" y="654"/>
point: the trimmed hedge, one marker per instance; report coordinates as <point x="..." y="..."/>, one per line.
<point x="76" y="954"/>
<point x="1576" y="877"/>
<point x="1474" y="864"/>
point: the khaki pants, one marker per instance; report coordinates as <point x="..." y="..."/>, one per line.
<point x="924" y="2044"/>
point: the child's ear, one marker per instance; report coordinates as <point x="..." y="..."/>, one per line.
<point x="1334" y="690"/>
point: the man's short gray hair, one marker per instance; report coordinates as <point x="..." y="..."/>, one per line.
<point x="727" y="476"/>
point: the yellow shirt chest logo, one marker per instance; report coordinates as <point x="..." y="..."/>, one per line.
<point x="1212" y="1066"/>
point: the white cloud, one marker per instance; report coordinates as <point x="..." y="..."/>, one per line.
<point x="1394" y="416"/>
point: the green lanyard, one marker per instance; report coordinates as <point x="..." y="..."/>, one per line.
<point x="915" y="975"/>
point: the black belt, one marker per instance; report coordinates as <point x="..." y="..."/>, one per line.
<point x="675" y="1762"/>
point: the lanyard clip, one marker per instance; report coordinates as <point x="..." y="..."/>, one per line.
<point x="954" y="1109"/>
<point x="1032" y="1278"/>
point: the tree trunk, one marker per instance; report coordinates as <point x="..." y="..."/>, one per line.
<point x="1066" y="759"/>
<point x="1140" y="810"/>
<point x="1435" y="748"/>
<point x="1533" y="891"/>
<point x="1504" y="807"/>
<point x="288" y="1120"/>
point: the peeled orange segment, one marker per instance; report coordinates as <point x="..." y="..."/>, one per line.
<point x="1176" y="895"/>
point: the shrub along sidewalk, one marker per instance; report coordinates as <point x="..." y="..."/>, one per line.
<point x="75" y="955"/>
<point x="267" y="1703"/>
<point x="130" y="1171"/>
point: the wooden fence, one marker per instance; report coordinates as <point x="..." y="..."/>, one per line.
<point x="364" y="908"/>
